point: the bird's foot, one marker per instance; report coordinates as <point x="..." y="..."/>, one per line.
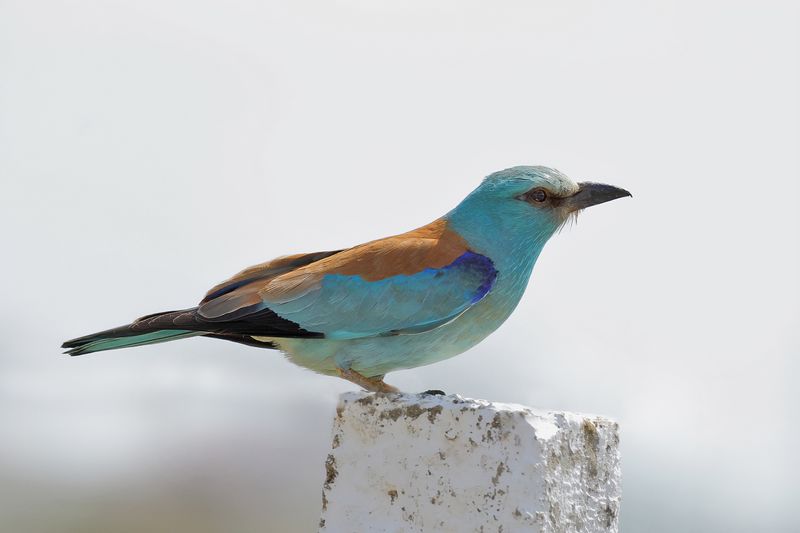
<point x="434" y="392"/>
<point x="374" y="384"/>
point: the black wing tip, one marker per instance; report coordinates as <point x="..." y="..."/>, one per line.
<point x="70" y="344"/>
<point x="73" y="351"/>
<point x="79" y="346"/>
<point x="75" y="347"/>
<point x="72" y="348"/>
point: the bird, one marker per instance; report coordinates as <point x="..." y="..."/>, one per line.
<point x="394" y="303"/>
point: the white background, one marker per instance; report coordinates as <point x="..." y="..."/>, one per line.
<point x="150" y="149"/>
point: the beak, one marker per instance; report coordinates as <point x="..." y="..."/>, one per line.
<point x="590" y="194"/>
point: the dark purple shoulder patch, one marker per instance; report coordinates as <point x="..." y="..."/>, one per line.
<point x="479" y="266"/>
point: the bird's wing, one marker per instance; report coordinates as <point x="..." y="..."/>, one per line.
<point x="404" y="284"/>
<point x="263" y="272"/>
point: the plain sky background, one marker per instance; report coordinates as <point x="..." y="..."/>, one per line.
<point x="149" y="149"/>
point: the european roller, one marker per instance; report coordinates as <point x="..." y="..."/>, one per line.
<point x="399" y="302"/>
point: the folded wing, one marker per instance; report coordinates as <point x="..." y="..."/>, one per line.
<point x="404" y="284"/>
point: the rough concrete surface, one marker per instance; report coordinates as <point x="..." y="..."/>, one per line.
<point x="403" y="462"/>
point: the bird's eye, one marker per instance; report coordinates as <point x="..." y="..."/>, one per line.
<point x="537" y="195"/>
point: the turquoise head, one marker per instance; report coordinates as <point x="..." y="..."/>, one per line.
<point x="513" y="212"/>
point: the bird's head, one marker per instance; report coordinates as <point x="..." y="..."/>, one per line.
<point x="526" y="203"/>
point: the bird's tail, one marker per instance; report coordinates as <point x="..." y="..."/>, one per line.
<point x="151" y="329"/>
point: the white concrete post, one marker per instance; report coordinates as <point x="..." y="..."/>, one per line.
<point x="403" y="463"/>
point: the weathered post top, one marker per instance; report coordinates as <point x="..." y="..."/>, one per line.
<point x="401" y="462"/>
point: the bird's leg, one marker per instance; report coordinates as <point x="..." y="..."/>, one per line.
<point x="375" y="384"/>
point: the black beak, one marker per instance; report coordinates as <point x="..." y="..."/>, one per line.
<point x="590" y="194"/>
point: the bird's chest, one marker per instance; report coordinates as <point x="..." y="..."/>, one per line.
<point x="489" y="314"/>
<point x="464" y="332"/>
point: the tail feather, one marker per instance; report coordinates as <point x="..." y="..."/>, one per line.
<point x="174" y="325"/>
<point x="97" y="343"/>
<point x="150" y="329"/>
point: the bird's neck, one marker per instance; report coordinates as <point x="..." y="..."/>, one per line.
<point x="512" y="242"/>
<point x="512" y="248"/>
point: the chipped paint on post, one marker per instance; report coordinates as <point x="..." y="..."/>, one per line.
<point x="444" y="463"/>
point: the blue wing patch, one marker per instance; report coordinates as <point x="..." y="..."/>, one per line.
<point x="347" y="307"/>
